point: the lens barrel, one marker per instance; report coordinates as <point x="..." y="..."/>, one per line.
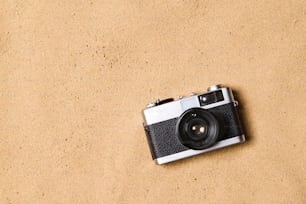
<point x="198" y="129"/>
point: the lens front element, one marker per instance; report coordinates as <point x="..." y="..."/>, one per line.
<point x="197" y="129"/>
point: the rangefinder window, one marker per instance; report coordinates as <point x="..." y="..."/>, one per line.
<point x="210" y="98"/>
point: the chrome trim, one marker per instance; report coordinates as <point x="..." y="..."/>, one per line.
<point x="191" y="152"/>
<point x="174" y="109"/>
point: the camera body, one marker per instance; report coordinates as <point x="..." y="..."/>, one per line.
<point x="192" y="125"/>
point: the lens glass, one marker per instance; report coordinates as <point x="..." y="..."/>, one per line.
<point x="197" y="128"/>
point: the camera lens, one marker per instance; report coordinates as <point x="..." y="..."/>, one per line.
<point x="197" y="128"/>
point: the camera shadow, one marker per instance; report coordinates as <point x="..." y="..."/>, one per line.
<point x="244" y="114"/>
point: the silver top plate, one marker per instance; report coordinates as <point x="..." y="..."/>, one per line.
<point x="174" y="109"/>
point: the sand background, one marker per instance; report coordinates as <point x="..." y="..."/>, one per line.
<point x="75" y="75"/>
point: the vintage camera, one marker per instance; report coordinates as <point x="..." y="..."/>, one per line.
<point x="192" y="125"/>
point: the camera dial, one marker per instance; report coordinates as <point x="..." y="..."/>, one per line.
<point x="214" y="87"/>
<point x="160" y="102"/>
